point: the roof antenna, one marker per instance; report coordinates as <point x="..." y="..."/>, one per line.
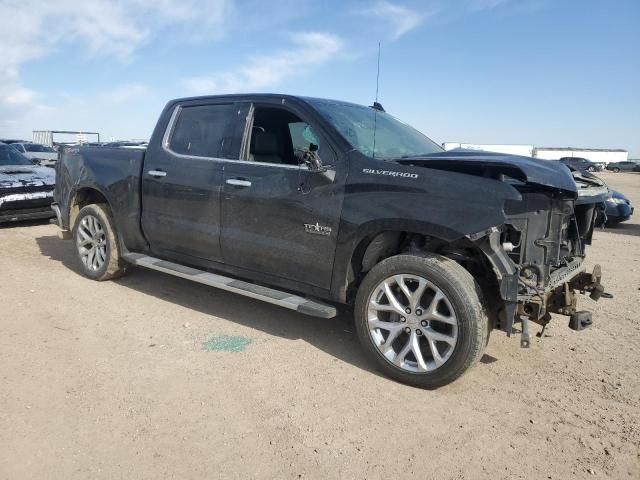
<point x="376" y="105"/>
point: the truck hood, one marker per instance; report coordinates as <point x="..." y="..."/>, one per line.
<point x="15" y="176"/>
<point x="591" y="188"/>
<point x="545" y="173"/>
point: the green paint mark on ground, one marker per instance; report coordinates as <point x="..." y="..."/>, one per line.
<point x="226" y="343"/>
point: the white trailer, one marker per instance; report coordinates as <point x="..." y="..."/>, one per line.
<point x="597" y="155"/>
<point x="524" y="150"/>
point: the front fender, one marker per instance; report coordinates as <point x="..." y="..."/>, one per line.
<point x="444" y="205"/>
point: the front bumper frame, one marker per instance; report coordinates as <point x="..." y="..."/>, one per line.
<point x="536" y="302"/>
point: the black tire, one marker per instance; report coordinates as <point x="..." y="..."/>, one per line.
<point x="615" y="170"/>
<point x="113" y="265"/>
<point x="465" y="297"/>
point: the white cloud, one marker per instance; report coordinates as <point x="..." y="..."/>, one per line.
<point x="33" y="28"/>
<point x="476" y="5"/>
<point x="123" y="94"/>
<point x="11" y="92"/>
<point x="400" y="19"/>
<point x="307" y="50"/>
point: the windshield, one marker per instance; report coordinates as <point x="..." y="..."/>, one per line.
<point x="10" y="156"/>
<point x="375" y="133"/>
<point x="34" y="147"/>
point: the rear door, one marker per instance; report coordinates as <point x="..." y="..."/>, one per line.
<point x="280" y="217"/>
<point x="182" y="181"/>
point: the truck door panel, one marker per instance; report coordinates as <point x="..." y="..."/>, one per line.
<point x="182" y="182"/>
<point x="281" y="218"/>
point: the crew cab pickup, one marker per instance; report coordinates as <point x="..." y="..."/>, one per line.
<point x="309" y="203"/>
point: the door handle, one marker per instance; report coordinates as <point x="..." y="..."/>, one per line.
<point x="239" y="183"/>
<point x="157" y="173"/>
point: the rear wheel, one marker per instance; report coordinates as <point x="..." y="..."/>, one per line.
<point x="615" y="169"/>
<point x="421" y="319"/>
<point x="96" y="241"/>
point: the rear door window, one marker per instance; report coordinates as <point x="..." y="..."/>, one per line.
<point x="201" y="131"/>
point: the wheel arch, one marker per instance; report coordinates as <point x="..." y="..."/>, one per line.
<point x="83" y="196"/>
<point x="375" y="244"/>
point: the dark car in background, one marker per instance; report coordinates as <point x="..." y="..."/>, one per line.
<point x="626" y="166"/>
<point x="38" y="154"/>
<point x="26" y="190"/>
<point x="580" y="163"/>
<point x="619" y="208"/>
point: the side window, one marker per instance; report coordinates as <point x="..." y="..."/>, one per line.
<point x="278" y="136"/>
<point x="201" y="130"/>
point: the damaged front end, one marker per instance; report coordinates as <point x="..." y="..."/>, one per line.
<point x="538" y="255"/>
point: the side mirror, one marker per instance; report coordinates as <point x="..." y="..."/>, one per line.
<point x="312" y="159"/>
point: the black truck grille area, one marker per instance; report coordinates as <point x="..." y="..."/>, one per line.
<point x="545" y="237"/>
<point x="8" y="203"/>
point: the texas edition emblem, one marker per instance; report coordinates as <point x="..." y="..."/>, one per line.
<point x="317" y="229"/>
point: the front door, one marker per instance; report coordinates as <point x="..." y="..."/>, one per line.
<point x="279" y="216"/>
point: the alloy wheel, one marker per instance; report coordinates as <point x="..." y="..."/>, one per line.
<point x="412" y="323"/>
<point x="91" y="241"/>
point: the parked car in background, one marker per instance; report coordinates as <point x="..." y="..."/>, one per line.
<point x="41" y="154"/>
<point x="10" y="141"/>
<point x="58" y="145"/>
<point x="133" y="145"/>
<point x="627" y="166"/>
<point x="619" y="208"/>
<point x="582" y="164"/>
<point x="26" y="190"/>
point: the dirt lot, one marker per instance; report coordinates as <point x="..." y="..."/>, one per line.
<point x="154" y="377"/>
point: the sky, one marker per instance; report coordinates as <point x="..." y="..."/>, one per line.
<point x="539" y="72"/>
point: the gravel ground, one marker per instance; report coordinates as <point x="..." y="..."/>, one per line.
<point x="154" y="377"/>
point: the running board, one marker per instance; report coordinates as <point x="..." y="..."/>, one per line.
<point x="269" y="295"/>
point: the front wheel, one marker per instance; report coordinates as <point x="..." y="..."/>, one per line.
<point x="421" y="319"/>
<point x="615" y="170"/>
<point x="96" y="241"/>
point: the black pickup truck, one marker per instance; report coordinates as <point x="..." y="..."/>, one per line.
<point x="308" y="203"/>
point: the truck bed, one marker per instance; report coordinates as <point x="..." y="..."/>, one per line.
<point x="114" y="172"/>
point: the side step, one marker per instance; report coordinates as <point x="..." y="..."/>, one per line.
<point x="269" y="295"/>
